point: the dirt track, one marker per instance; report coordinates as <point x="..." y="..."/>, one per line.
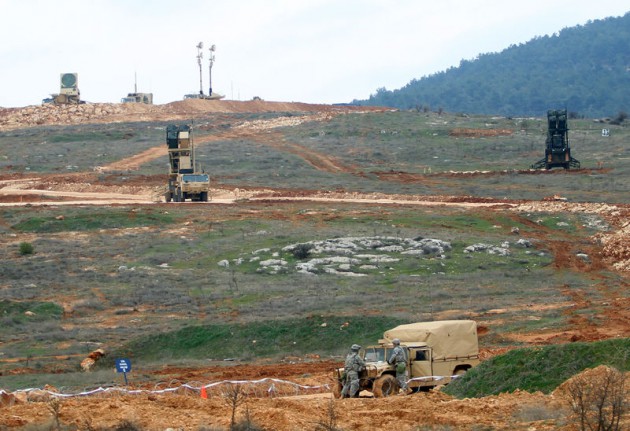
<point x="159" y="411"/>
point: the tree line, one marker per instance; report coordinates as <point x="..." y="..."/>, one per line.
<point x="585" y="69"/>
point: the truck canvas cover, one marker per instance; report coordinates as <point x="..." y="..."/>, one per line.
<point x="448" y="338"/>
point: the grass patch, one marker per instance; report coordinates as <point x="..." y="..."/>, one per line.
<point x="110" y="219"/>
<point x="66" y="382"/>
<point x="539" y="369"/>
<point x="20" y="312"/>
<point x="564" y="222"/>
<point x="272" y="338"/>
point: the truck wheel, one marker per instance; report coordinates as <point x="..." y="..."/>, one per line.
<point x="204" y="196"/>
<point x="178" y="196"/>
<point x="385" y="386"/>
<point x="337" y="387"/>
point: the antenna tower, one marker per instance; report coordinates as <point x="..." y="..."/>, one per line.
<point x="211" y="62"/>
<point x="199" y="57"/>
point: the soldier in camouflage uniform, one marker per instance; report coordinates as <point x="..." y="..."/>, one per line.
<point x="353" y="366"/>
<point x="398" y="359"/>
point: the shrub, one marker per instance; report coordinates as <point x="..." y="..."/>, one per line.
<point x="26" y="248"/>
<point x="302" y="251"/>
<point x="597" y="399"/>
<point x="329" y="422"/>
<point x="620" y="118"/>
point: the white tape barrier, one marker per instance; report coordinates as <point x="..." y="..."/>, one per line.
<point x="272" y="388"/>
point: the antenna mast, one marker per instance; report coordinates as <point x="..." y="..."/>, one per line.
<point x="199" y="57"/>
<point x="211" y="62"/>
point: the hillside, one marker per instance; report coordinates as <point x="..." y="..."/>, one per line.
<point x="185" y="110"/>
<point x="410" y="216"/>
<point x="584" y="68"/>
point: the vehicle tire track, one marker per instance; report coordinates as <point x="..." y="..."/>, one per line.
<point x="258" y="131"/>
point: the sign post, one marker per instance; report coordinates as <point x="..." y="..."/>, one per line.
<point x="123" y="366"/>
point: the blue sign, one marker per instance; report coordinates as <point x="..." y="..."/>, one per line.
<point x="123" y="365"/>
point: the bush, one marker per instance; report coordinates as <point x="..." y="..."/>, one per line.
<point x="302" y="251"/>
<point x="597" y="398"/>
<point x="620" y="118"/>
<point x="26" y="248"/>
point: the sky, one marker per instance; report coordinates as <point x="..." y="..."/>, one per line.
<point x="312" y="51"/>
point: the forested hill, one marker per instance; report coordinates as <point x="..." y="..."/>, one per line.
<point x="584" y="68"/>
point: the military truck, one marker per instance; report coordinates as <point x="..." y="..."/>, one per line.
<point x="146" y="98"/>
<point x="185" y="181"/>
<point x="437" y="352"/>
<point x="557" y="148"/>
<point x="137" y="97"/>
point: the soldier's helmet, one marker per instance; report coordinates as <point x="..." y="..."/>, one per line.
<point x="396" y="342"/>
<point x="355" y="347"/>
